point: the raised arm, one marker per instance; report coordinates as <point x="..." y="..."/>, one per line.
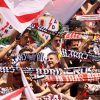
<point x="45" y="92"/>
<point x="4" y="51"/>
<point x="90" y="8"/>
<point x="41" y="46"/>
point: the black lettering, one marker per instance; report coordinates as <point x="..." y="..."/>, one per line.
<point x="46" y="71"/>
<point x="85" y="56"/>
<point x="53" y="26"/>
<point x="10" y="27"/>
<point x="6" y="31"/>
<point x="39" y="72"/>
<point x="76" y="71"/>
<point x="55" y="21"/>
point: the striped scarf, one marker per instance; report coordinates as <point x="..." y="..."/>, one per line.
<point x="80" y="35"/>
<point x="28" y="57"/>
<point x="94" y="17"/>
<point x="85" y="77"/>
<point x="79" y="55"/>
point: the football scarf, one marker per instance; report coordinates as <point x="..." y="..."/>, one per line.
<point x="28" y="57"/>
<point x="94" y="17"/>
<point x="79" y="55"/>
<point x="84" y="77"/>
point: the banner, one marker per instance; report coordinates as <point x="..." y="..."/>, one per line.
<point x="41" y="73"/>
<point x="48" y="22"/>
<point x="84" y="77"/>
<point x="72" y="35"/>
<point x="29" y="57"/>
<point x="21" y="13"/>
<point x="63" y="10"/>
<point x="42" y="29"/>
<point x="94" y="17"/>
<point x="80" y="35"/>
<point x="79" y="55"/>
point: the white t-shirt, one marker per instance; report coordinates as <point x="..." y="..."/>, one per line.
<point x="46" y="51"/>
<point x="18" y="48"/>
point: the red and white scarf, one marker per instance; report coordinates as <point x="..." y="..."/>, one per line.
<point x="85" y="77"/>
<point x="79" y="35"/>
<point x="94" y="17"/>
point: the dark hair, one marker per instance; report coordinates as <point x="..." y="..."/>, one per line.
<point x="97" y="9"/>
<point x="68" y="42"/>
<point x="19" y="35"/>
<point x="93" y="1"/>
<point x="74" y="89"/>
<point x="28" y="31"/>
<point x="73" y="23"/>
<point x="25" y="49"/>
<point x="16" y="74"/>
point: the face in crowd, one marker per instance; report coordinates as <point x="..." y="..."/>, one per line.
<point x="52" y="60"/>
<point x="24" y="40"/>
<point x="56" y="42"/>
<point x="75" y="44"/>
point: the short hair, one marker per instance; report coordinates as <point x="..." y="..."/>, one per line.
<point x="28" y="31"/>
<point x="25" y="49"/>
<point x="73" y="23"/>
<point x="74" y="89"/>
<point x="58" y="35"/>
<point x="53" y="53"/>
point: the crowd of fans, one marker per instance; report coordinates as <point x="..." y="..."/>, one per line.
<point x="26" y="44"/>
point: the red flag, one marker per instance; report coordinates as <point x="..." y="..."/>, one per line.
<point x="15" y="95"/>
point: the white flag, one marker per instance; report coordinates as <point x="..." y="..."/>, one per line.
<point x="63" y="10"/>
<point x="28" y="91"/>
<point x="21" y="13"/>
